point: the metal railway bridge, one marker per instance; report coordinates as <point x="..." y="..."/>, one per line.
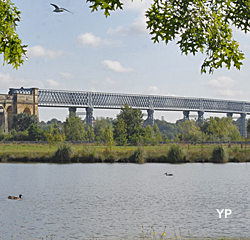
<point x="91" y="100"/>
<point x="151" y="103"/>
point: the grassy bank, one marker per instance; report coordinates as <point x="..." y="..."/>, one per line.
<point x="84" y="153"/>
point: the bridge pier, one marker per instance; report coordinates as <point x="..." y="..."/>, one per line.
<point x="200" y="116"/>
<point x="243" y="125"/>
<point x="186" y="115"/>
<point x="89" y="116"/>
<point x="72" y="111"/>
<point x="150" y="119"/>
<point x="229" y="115"/>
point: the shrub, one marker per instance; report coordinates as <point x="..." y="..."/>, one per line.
<point x="220" y="154"/>
<point x="63" y="153"/>
<point x="89" y="155"/>
<point x="138" y="156"/>
<point x="176" y="154"/>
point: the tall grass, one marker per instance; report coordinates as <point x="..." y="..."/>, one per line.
<point x="176" y="154"/>
<point x="220" y="154"/>
<point x="138" y="156"/>
<point x="64" y="153"/>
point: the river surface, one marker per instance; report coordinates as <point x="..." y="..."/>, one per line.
<point x="114" y="201"/>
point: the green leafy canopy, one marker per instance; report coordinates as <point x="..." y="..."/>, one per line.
<point x="198" y="25"/>
<point x="10" y="43"/>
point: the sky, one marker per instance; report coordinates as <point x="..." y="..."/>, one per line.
<point x="86" y="51"/>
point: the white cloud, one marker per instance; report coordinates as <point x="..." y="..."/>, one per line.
<point x="6" y="82"/>
<point x="137" y="27"/>
<point x="91" y="40"/>
<point x="231" y="93"/>
<point x="154" y="90"/>
<point x="40" y="51"/>
<point x="88" y="39"/>
<point x="52" y="83"/>
<point x="137" y="5"/>
<point x="224" y="86"/>
<point x="67" y="75"/>
<point x="222" y="82"/>
<point x="116" y="66"/>
<point x="109" y="81"/>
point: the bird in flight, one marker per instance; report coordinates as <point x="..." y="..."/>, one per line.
<point x="58" y="10"/>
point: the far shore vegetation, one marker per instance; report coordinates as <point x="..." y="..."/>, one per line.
<point x="127" y="138"/>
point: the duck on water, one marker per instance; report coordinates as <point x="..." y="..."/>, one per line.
<point x="169" y="174"/>
<point x="15" y="198"/>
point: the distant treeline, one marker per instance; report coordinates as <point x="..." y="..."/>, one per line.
<point x="128" y="128"/>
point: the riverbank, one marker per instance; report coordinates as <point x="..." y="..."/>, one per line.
<point x="88" y="153"/>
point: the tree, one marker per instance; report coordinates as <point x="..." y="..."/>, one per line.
<point x="200" y="25"/>
<point x="133" y="119"/>
<point x="99" y="123"/>
<point x="157" y="133"/>
<point x="120" y="132"/>
<point x="53" y="135"/>
<point x="90" y="135"/>
<point x="73" y="129"/>
<point x="189" y="131"/>
<point x="109" y="137"/>
<point x="22" y="121"/>
<point x="168" y="130"/>
<point x="35" y="133"/>
<point x="10" y="44"/>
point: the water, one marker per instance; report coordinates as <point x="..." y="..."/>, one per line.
<point x="114" y="201"/>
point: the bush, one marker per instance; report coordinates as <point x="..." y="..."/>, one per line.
<point x="220" y="154"/>
<point x="176" y="154"/>
<point x="88" y="155"/>
<point x="138" y="156"/>
<point x="64" y="153"/>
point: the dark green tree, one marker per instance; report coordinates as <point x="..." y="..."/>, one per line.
<point x="35" y="133"/>
<point x="133" y="119"/>
<point x="22" y="121"/>
<point x="73" y="129"/>
<point x="120" y="132"/>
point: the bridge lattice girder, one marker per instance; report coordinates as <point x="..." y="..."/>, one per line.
<point x="57" y="98"/>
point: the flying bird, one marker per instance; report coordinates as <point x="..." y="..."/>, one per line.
<point x="58" y="10"/>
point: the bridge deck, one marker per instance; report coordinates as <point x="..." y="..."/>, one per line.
<point x="78" y="99"/>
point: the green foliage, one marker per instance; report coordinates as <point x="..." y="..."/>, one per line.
<point x="13" y="135"/>
<point x="64" y="153"/>
<point x="157" y="133"/>
<point x="189" y="131"/>
<point x="53" y="135"/>
<point x="90" y="135"/>
<point x="100" y="123"/>
<point x="201" y="26"/>
<point x="22" y="121"/>
<point x="73" y="129"/>
<point x="35" y="133"/>
<point x="133" y="119"/>
<point x="106" y="5"/>
<point x="220" y="154"/>
<point x="175" y="154"/>
<point x="220" y="127"/>
<point x="109" y="137"/>
<point x="10" y="44"/>
<point x="138" y="156"/>
<point x="2" y="133"/>
<point x="168" y="130"/>
<point x="120" y="132"/>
